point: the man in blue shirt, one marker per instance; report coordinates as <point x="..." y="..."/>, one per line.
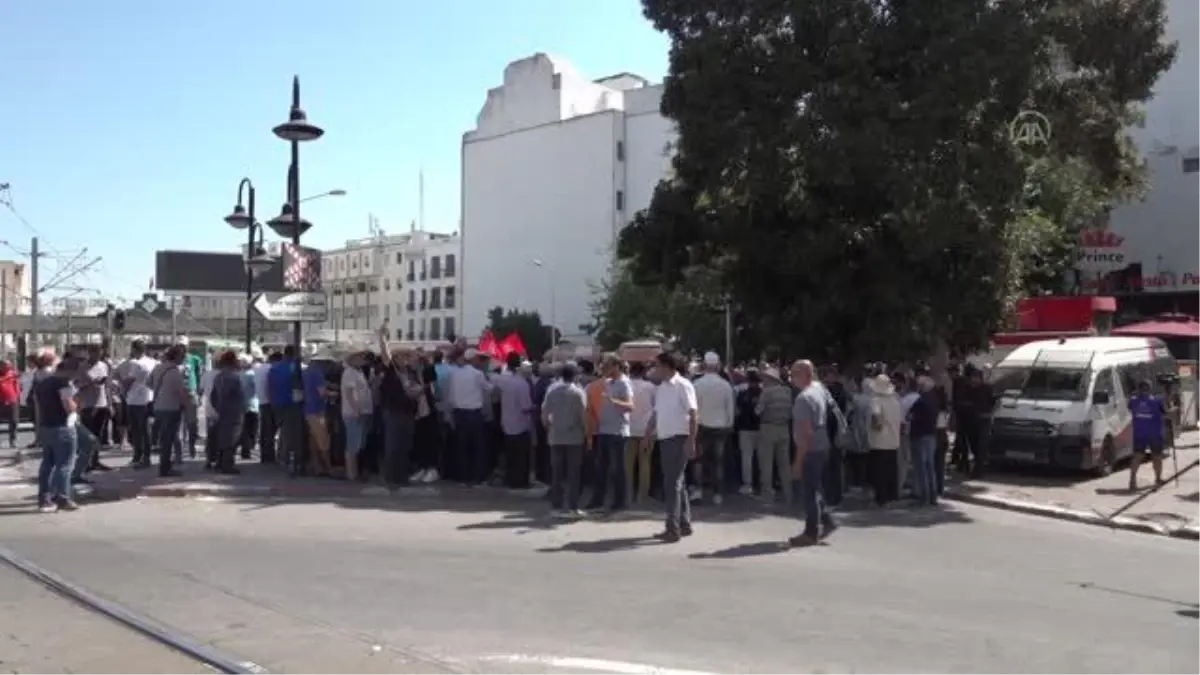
<point x="288" y="415"/>
<point x="1149" y="416"/>
<point x="314" y="413"/>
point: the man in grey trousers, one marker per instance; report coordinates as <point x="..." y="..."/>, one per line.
<point x="564" y="413"/>
<point x="674" y="422"/>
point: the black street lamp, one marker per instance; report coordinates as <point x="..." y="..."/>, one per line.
<point x="257" y="260"/>
<point x="289" y="224"/>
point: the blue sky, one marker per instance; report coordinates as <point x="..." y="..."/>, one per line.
<point x="125" y="125"/>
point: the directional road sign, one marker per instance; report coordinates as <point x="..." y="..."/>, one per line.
<point x="303" y="307"/>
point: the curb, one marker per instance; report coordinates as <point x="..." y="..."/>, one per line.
<point x="297" y="491"/>
<point x="1072" y="515"/>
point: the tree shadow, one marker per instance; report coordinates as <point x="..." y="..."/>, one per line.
<point x="751" y="550"/>
<point x="1188" y="613"/>
<point x="602" y="545"/>
<point x="1193" y="497"/>
<point x="1024" y="476"/>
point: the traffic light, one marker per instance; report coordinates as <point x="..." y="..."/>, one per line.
<point x="119" y="320"/>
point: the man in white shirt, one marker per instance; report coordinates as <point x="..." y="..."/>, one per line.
<point x="674" y="423"/>
<point x="468" y="390"/>
<point x="268" y="426"/>
<point x="638" y="454"/>
<point x="133" y="375"/>
<point x="714" y="396"/>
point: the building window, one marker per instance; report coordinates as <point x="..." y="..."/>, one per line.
<point x="620" y="200"/>
<point x="449" y="267"/>
<point x="399" y="258"/>
<point x="411" y="328"/>
<point x="448" y="328"/>
<point x="435" y="298"/>
<point x="387" y="284"/>
<point x="449" y="297"/>
<point x="424" y="299"/>
<point x="399" y="308"/>
<point x="435" y="329"/>
<point x="435" y="268"/>
<point x="1191" y="164"/>
<point x="399" y="334"/>
<point x="387" y="311"/>
<point x="424" y="270"/>
<point x="620" y="151"/>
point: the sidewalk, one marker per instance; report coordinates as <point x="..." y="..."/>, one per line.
<point x="1172" y="510"/>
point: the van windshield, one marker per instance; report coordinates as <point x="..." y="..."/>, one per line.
<point x="1041" y="383"/>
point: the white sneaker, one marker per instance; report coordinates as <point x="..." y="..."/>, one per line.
<point x="418" y="477"/>
<point x="746" y="490"/>
<point x="431" y="476"/>
<point x="695" y="495"/>
<point x="717" y="500"/>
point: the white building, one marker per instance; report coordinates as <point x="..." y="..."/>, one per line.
<point x="556" y="165"/>
<point x="15" y="290"/>
<point x="409" y="280"/>
<point x="1160" y="233"/>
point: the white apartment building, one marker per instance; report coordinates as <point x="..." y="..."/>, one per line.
<point x="14" y="287"/>
<point x="556" y="165"/>
<point x="1160" y="232"/>
<point x="409" y="280"/>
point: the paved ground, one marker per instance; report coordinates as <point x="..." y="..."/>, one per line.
<point x="1173" y="506"/>
<point x="440" y="585"/>
<point x="42" y="632"/>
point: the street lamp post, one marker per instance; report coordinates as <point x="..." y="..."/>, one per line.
<point x="257" y="260"/>
<point x="541" y="264"/>
<point x="289" y="224"/>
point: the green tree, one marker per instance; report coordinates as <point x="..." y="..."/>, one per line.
<point x="534" y="333"/>
<point x="846" y="170"/>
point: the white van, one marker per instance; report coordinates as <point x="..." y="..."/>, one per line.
<point x="1066" y="402"/>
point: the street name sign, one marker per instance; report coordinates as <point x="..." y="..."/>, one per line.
<point x="303" y="307"/>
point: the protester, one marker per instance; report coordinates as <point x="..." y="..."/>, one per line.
<point x="612" y="435"/>
<point x="715" y="416"/>
<point x="774" y="437"/>
<point x="133" y="375"/>
<point x="228" y="403"/>
<point x="810" y="414"/>
<point x="516" y="408"/>
<point x="10" y="399"/>
<point x="565" y="416"/>
<point x="172" y="402"/>
<point x="675" y="425"/>
<point x="746" y="423"/>
<point x="638" y="455"/>
<point x="1149" y="421"/>
<point x="886" y="420"/>
<point x="58" y="413"/>
<point x="358" y="406"/>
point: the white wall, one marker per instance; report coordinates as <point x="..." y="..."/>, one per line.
<point x="541" y="177"/>
<point x="1161" y="232"/>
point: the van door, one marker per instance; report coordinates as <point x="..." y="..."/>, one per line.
<point x="1104" y="415"/>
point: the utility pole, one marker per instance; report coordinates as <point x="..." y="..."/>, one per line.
<point x="4" y="310"/>
<point x="34" y="310"/>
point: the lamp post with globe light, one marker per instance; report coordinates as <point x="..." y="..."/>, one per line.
<point x="289" y="225"/>
<point x="257" y="259"/>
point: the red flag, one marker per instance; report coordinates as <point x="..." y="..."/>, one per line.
<point x="487" y="345"/>
<point x="512" y="343"/>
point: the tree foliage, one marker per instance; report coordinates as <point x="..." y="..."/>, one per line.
<point x="845" y="171"/>
<point x="690" y="314"/>
<point x="534" y="333"/>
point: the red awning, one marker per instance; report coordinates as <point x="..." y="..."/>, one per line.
<point x="1164" y="325"/>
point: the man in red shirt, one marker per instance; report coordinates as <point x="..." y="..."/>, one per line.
<point x="10" y="396"/>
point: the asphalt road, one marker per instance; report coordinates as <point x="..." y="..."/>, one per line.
<point x="42" y="632"/>
<point x="424" y="587"/>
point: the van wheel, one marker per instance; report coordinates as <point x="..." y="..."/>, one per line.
<point x="1108" y="456"/>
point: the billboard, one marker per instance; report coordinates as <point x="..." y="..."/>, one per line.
<point x="208" y="272"/>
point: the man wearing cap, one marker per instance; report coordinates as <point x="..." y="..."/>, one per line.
<point x="714" y="396"/>
<point x="468" y="391"/>
<point x="133" y="375"/>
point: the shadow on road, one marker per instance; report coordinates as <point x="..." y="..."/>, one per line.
<point x="752" y="550"/>
<point x="602" y="545"/>
<point x="1193" y="497"/>
<point x="1189" y="613"/>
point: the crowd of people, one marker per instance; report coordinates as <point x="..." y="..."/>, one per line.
<point x="618" y="433"/>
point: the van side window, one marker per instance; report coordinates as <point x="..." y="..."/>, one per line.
<point x="1130" y="375"/>
<point x="1104" y="382"/>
